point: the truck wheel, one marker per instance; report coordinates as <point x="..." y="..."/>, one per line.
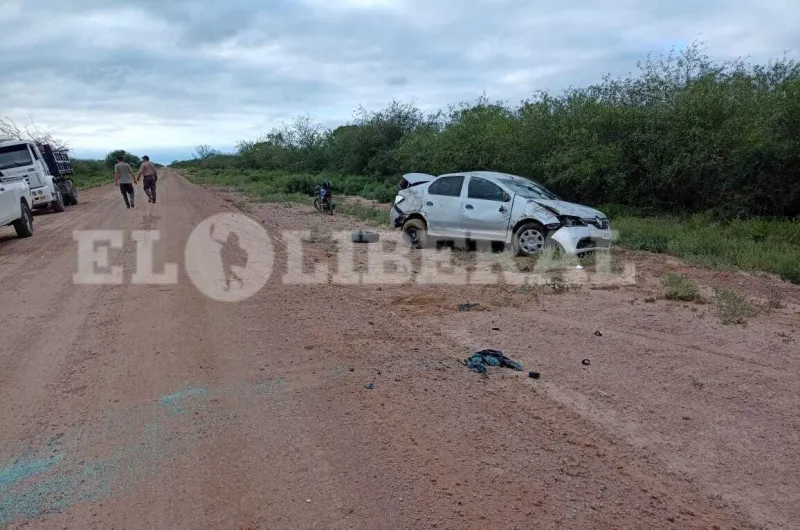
<point x="72" y="194"/>
<point x="24" y="225"/>
<point x="415" y="233"/>
<point x="529" y="239"/>
<point x="58" y="204"/>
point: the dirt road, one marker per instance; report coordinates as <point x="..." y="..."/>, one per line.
<point x="153" y="406"/>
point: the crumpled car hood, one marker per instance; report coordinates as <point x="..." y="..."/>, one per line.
<point x="569" y="208"/>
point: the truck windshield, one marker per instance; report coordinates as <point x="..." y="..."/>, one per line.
<point x="529" y="189"/>
<point x="15" y="156"/>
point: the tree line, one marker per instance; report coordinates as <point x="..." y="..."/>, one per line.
<point x="682" y="134"/>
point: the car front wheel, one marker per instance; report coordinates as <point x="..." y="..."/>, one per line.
<point x="529" y="239"/>
<point x="415" y="233"/>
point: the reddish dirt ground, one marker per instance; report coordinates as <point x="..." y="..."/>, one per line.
<point x="153" y="406"/>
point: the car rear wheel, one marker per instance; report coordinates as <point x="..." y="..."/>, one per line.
<point x="415" y="233"/>
<point x="529" y="239"/>
<point x="24" y="225"/>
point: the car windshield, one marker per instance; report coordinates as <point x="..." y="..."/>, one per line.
<point x="15" y="156"/>
<point x="530" y="189"/>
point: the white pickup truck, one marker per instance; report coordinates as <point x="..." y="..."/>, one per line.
<point x="15" y="204"/>
<point x="22" y="158"/>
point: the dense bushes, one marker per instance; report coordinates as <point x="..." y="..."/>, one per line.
<point x="684" y="135"/>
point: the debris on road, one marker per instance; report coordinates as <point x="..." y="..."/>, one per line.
<point x="534" y="375"/>
<point x="363" y="237"/>
<point x="369" y="386"/>
<point x="586" y="362"/>
<point x="479" y="361"/>
<point x="467" y="307"/>
<point x="598" y="334"/>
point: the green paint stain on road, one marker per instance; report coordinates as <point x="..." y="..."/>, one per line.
<point x="26" y="468"/>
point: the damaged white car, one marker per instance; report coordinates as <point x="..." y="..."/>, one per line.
<point x="496" y="207"/>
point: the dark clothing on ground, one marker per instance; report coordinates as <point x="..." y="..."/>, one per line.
<point x="127" y="189"/>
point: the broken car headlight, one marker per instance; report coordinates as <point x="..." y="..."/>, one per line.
<point x="398" y="199"/>
<point x="569" y="220"/>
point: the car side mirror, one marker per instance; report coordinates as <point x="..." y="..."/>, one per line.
<point x="506" y="197"/>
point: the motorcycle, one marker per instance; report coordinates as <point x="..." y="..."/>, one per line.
<point x="323" y="202"/>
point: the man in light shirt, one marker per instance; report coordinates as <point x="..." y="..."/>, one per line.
<point x="123" y="177"/>
<point x="149" y="175"/>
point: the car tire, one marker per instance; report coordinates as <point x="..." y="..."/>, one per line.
<point x="58" y="204"/>
<point x="415" y="233"/>
<point x="529" y="239"/>
<point x="24" y="225"/>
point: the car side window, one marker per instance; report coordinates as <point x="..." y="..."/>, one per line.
<point x="447" y="186"/>
<point x="483" y="189"/>
<point x="34" y="153"/>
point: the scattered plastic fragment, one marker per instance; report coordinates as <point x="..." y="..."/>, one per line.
<point x="597" y="333"/>
<point x="586" y="362"/>
<point x="467" y="307"/>
<point x="534" y="375"/>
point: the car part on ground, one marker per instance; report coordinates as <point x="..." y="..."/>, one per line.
<point x="364" y="237"/>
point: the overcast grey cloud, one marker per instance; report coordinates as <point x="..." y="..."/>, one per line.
<point x="166" y="75"/>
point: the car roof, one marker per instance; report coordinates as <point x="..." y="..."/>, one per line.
<point x="489" y="175"/>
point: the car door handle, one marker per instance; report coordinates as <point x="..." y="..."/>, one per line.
<point x="429" y="203"/>
<point x="503" y="209"/>
<point x="469" y="207"/>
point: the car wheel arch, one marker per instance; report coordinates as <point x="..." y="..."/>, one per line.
<point x="417" y="216"/>
<point x="527" y="220"/>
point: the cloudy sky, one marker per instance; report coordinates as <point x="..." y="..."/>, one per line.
<point x="162" y="76"/>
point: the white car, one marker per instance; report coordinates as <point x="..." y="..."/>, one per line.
<point x="15" y="204"/>
<point x="21" y="158"/>
<point x="493" y="206"/>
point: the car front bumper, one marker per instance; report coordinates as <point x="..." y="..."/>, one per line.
<point x="396" y="216"/>
<point x="576" y="240"/>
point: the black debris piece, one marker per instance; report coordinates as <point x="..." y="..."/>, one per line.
<point x="586" y="362"/>
<point x="534" y="375"/>
<point x="364" y="237"/>
<point x="369" y="386"/>
<point x="495" y="329"/>
<point x="597" y="333"/>
<point x="467" y="306"/>
<point x="479" y="361"/>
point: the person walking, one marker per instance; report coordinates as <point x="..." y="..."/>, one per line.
<point x="149" y="175"/>
<point x="123" y="177"/>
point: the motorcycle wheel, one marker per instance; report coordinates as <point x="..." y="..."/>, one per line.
<point x="317" y="205"/>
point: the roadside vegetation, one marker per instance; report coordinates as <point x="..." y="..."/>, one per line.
<point x="91" y="173"/>
<point x="680" y="287"/>
<point x="689" y="157"/>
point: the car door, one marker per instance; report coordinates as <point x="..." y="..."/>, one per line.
<point x="486" y="211"/>
<point x="442" y="205"/>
